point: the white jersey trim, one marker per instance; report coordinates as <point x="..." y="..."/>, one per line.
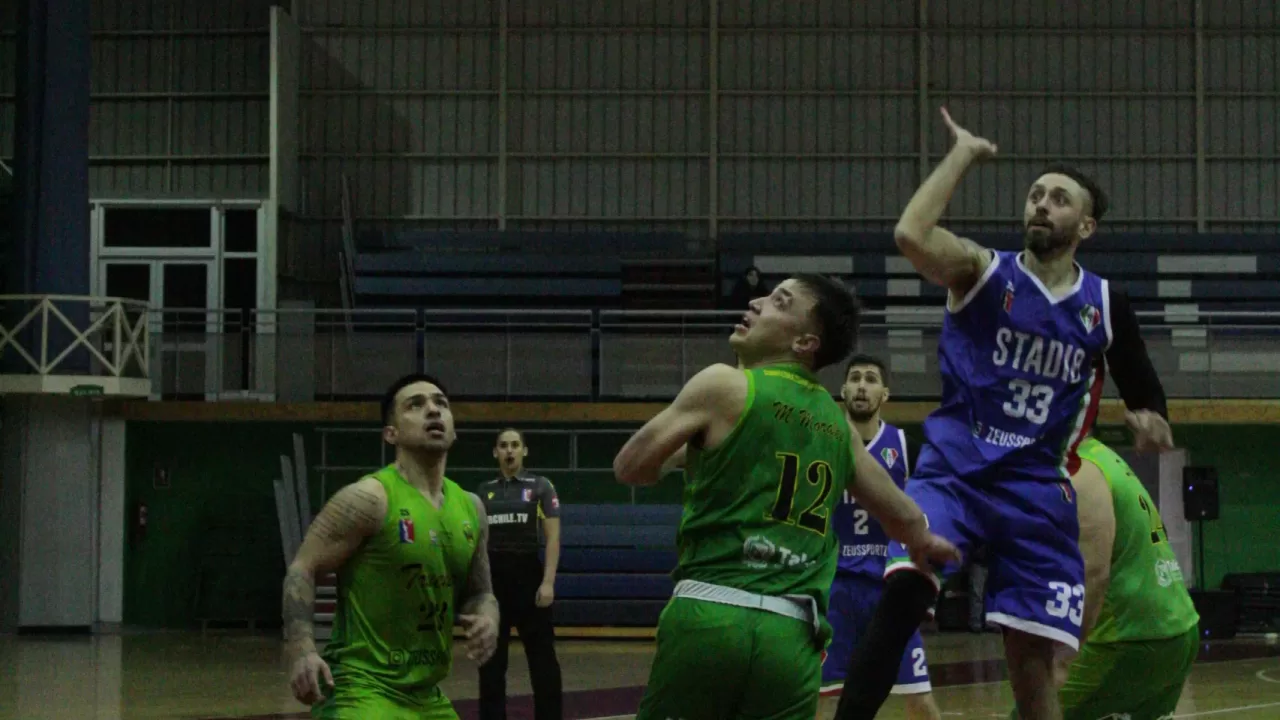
<point x="906" y="460"/>
<point x="918" y="688"/>
<point x="1034" y="628"/>
<point x="973" y="291"/>
<point x="1106" y="313"/>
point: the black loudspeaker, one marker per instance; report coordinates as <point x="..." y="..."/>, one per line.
<point x="1219" y="613"/>
<point x="1200" y="493"/>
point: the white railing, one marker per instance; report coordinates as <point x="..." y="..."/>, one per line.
<point x="39" y="340"/>
<point x="557" y="355"/>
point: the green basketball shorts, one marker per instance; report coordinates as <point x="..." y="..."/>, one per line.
<point x="722" y="661"/>
<point x="358" y="703"/>
<point x="1138" y="680"/>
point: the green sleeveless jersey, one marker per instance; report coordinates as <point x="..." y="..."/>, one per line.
<point x="1146" y="598"/>
<point x="393" y="626"/>
<point x="757" y="508"/>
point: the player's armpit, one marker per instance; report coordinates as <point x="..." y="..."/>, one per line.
<point x="875" y="490"/>
<point x="717" y="393"/>
<point x="944" y="258"/>
<point x="1097" y="538"/>
<point x="354" y="513"/>
<point x="477" y="597"/>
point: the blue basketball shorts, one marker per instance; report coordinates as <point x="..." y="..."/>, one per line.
<point x="853" y="603"/>
<point x="1029" y="527"/>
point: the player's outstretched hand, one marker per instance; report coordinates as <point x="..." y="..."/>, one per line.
<point x="980" y="147"/>
<point x="480" y="637"/>
<point x="1150" y="431"/>
<point x="308" y="678"/>
<point x="932" y="552"/>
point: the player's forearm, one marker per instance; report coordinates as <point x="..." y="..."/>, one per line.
<point x="299" y="612"/>
<point x="553" y="560"/>
<point x="930" y="200"/>
<point x="484" y="603"/>
<point x="901" y="518"/>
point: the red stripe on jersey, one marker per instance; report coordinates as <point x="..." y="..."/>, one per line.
<point x="1090" y="415"/>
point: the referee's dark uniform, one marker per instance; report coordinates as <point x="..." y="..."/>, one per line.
<point x="515" y="507"/>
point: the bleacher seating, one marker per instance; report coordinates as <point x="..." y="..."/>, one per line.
<point x="1166" y="273"/>
<point x="514" y="269"/>
<point x="615" y="564"/>
<point x="1258" y="598"/>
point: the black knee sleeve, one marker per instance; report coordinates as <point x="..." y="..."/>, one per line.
<point x="873" y="668"/>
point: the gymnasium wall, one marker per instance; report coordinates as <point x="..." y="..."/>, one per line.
<point x="214" y="527"/>
<point x="179" y="97"/>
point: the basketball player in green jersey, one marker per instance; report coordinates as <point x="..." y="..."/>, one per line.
<point x="409" y="548"/>
<point x="768" y="454"/>
<point x="1140" y="630"/>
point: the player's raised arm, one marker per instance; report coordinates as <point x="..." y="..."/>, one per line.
<point x="1136" y="378"/>
<point x="354" y="513"/>
<point x="940" y="256"/>
<point x="717" y="392"/>
<point x="478" y="606"/>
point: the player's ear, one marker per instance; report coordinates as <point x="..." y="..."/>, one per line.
<point x="1087" y="227"/>
<point x="884" y="394"/>
<point x="389" y="435"/>
<point x="807" y="343"/>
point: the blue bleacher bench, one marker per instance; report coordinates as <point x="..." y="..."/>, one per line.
<point x="615" y="564"/>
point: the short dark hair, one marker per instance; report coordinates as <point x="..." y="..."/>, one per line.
<point x="1097" y="198"/>
<point x="837" y="311"/>
<point x="865" y="359"/>
<point x="506" y="430"/>
<point x="389" y="397"/>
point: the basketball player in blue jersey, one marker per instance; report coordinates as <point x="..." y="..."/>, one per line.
<point x="1026" y="340"/>
<point x="864" y="545"/>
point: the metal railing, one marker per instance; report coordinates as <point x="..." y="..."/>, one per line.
<point x="582" y="355"/>
<point x="65" y="336"/>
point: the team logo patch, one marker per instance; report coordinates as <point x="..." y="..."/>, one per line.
<point x="526" y="495"/>
<point x="491" y="496"/>
<point x="435" y="539"/>
<point x="1090" y="317"/>
<point x="1007" y="302"/>
<point x="467" y="532"/>
<point x="555" y="501"/>
<point x="1067" y="492"/>
<point x="406" y="531"/>
<point x="890" y="457"/>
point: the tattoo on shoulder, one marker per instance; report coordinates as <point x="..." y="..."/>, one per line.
<point x="354" y="509"/>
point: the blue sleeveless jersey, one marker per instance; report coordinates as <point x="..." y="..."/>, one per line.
<point x="1022" y="373"/>
<point x="863" y="542"/>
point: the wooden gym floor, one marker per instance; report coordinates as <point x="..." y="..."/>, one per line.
<point x="179" y="675"/>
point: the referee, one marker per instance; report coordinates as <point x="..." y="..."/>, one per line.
<point x="516" y="501"/>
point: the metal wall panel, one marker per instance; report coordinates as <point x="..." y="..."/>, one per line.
<point x="725" y="115"/>
<point x="1242" y="136"/>
<point x="180" y="98"/>
<point x="8" y="59"/>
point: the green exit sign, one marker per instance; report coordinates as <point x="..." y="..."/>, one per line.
<point x="86" y="391"/>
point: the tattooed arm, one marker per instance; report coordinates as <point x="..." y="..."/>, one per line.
<point x="478" y="611"/>
<point x="353" y="514"/>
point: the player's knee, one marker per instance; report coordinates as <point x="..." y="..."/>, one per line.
<point x="911" y="592"/>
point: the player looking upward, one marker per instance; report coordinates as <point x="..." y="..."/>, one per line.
<point x="1025" y="342"/>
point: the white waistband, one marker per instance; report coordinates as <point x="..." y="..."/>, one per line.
<point x="799" y="607"/>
